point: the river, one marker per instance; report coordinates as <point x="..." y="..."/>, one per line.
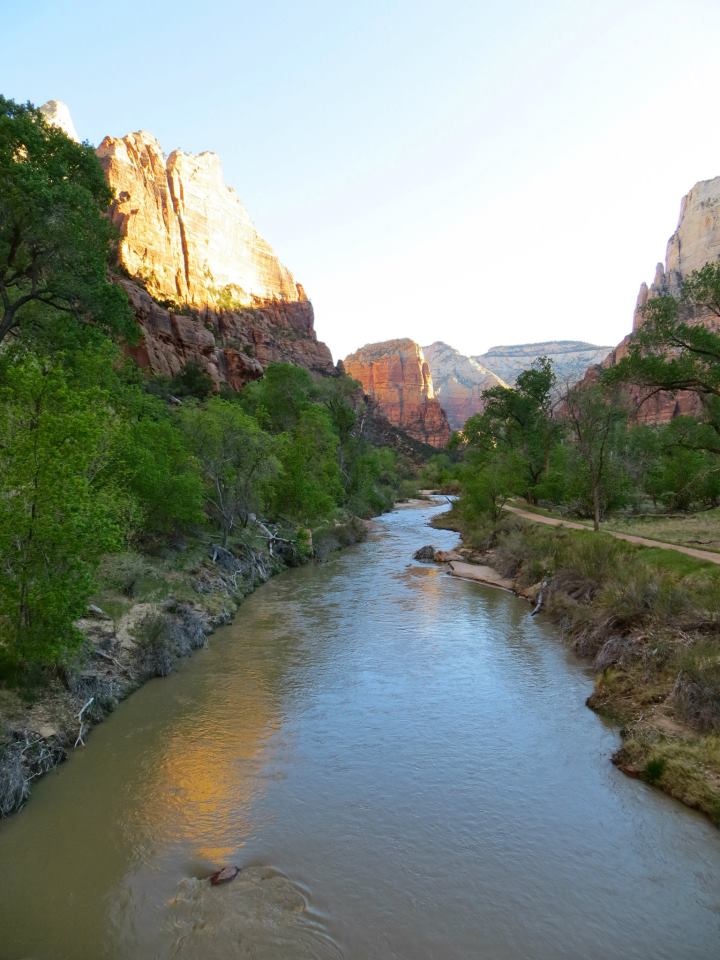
<point x="404" y="767"/>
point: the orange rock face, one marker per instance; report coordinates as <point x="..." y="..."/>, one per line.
<point x="397" y="376"/>
<point x="184" y="233"/>
<point x="204" y="284"/>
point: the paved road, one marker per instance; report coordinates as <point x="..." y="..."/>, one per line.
<point x="631" y="538"/>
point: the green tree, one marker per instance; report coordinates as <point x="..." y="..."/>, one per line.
<point x="671" y="351"/>
<point x="237" y="459"/>
<point x="152" y="460"/>
<point x="596" y="415"/>
<point x="54" y="237"/>
<point x="309" y="487"/>
<point x="55" y="520"/>
<point x="519" y="420"/>
<point x="487" y="486"/>
<point x="278" y="399"/>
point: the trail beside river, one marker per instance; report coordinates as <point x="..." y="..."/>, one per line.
<point x="629" y="537"/>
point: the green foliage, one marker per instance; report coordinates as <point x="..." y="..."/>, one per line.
<point x="440" y="473"/>
<point x="597" y="418"/>
<point x="153" y="461"/>
<point x="671" y="352"/>
<point x="192" y="381"/>
<point x="55" y="519"/>
<point x="277" y="400"/>
<point x="309" y="484"/>
<point x="54" y="240"/>
<point x="654" y="769"/>
<point x="517" y="421"/>
<point x="487" y="485"/>
<point x="237" y="457"/>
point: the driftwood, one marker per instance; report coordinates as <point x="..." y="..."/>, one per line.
<point x="81" y="731"/>
<point x="540" y="602"/>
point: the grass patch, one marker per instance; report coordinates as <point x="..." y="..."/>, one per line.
<point x="687" y="768"/>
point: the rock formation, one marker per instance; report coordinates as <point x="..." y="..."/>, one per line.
<point x="205" y="286"/>
<point x="184" y="233"/>
<point x="57" y="113"/>
<point x="696" y="241"/>
<point x="570" y="359"/>
<point x="459" y="382"/>
<point x="396" y="374"/>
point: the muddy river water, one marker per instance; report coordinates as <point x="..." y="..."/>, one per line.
<point x="402" y="764"/>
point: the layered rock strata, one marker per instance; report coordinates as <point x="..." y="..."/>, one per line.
<point x="205" y="286"/>
<point x="459" y="382"/>
<point x="397" y="376"/>
<point x="570" y="359"/>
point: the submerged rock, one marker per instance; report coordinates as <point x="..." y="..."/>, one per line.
<point x="224" y="876"/>
<point x="425" y="553"/>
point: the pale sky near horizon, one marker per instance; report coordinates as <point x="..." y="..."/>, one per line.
<point x="478" y="172"/>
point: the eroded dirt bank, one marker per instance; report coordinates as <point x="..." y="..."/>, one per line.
<point x="656" y="678"/>
<point x="130" y="639"/>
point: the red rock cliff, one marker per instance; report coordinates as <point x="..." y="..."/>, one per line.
<point x="210" y="290"/>
<point x="205" y="286"/>
<point x="396" y="375"/>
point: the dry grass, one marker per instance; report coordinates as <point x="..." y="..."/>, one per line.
<point x="687" y="767"/>
<point x="701" y="530"/>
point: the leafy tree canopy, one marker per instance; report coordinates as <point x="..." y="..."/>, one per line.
<point x="54" y="237"/>
<point x="671" y="352"/>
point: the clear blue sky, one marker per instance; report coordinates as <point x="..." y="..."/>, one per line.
<point x="477" y="172"/>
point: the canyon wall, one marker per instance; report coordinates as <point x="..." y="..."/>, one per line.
<point x="204" y="285"/>
<point x="459" y="382"/>
<point x="695" y="242"/>
<point x="570" y="359"/>
<point x="397" y="376"/>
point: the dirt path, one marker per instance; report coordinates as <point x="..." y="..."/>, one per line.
<point x="631" y="538"/>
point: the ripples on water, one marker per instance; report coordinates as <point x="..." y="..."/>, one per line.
<point x="404" y="765"/>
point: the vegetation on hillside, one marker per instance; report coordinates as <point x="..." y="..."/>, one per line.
<point x="98" y="458"/>
<point x="649" y="619"/>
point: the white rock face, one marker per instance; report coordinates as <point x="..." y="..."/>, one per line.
<point x="570" y="359"/>
<point x="697" y="238"/>
<point x="57" y="113"/>
<point x="459" y="382"/>
<point x="696" y="241"/>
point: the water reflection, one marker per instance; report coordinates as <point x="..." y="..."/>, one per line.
<point x="407" y="762"/>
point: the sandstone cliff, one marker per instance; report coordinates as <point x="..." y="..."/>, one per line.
<point x="459" y="382"/>
<point x="695" y="242"/>
<point x="58" y="115"/>
<point x="205" y="286"/>
<point x="570" y="358"/>
<point x="396" y="374"/>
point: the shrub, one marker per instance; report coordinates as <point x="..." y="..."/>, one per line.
<point x="654" y="769"/>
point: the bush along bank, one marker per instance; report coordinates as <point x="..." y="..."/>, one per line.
<point x="149" y="612"/>
<point x="649" y="620"/>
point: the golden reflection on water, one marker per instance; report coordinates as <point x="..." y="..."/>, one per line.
<point x="206" y="780"/>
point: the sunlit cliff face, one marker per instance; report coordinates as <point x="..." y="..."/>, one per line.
<point x="184" y="233"/>
<point x="396" y="374"/>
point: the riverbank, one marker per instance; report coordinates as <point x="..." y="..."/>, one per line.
<point x="646" y="619"/>
<point x="150" y="611"/>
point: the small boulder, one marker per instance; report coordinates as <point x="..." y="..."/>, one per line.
<point x="425" y="553"/>
<point x="94" y="611"/>
<point x="447" y="556"/>
<point x="224" y="876"/>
